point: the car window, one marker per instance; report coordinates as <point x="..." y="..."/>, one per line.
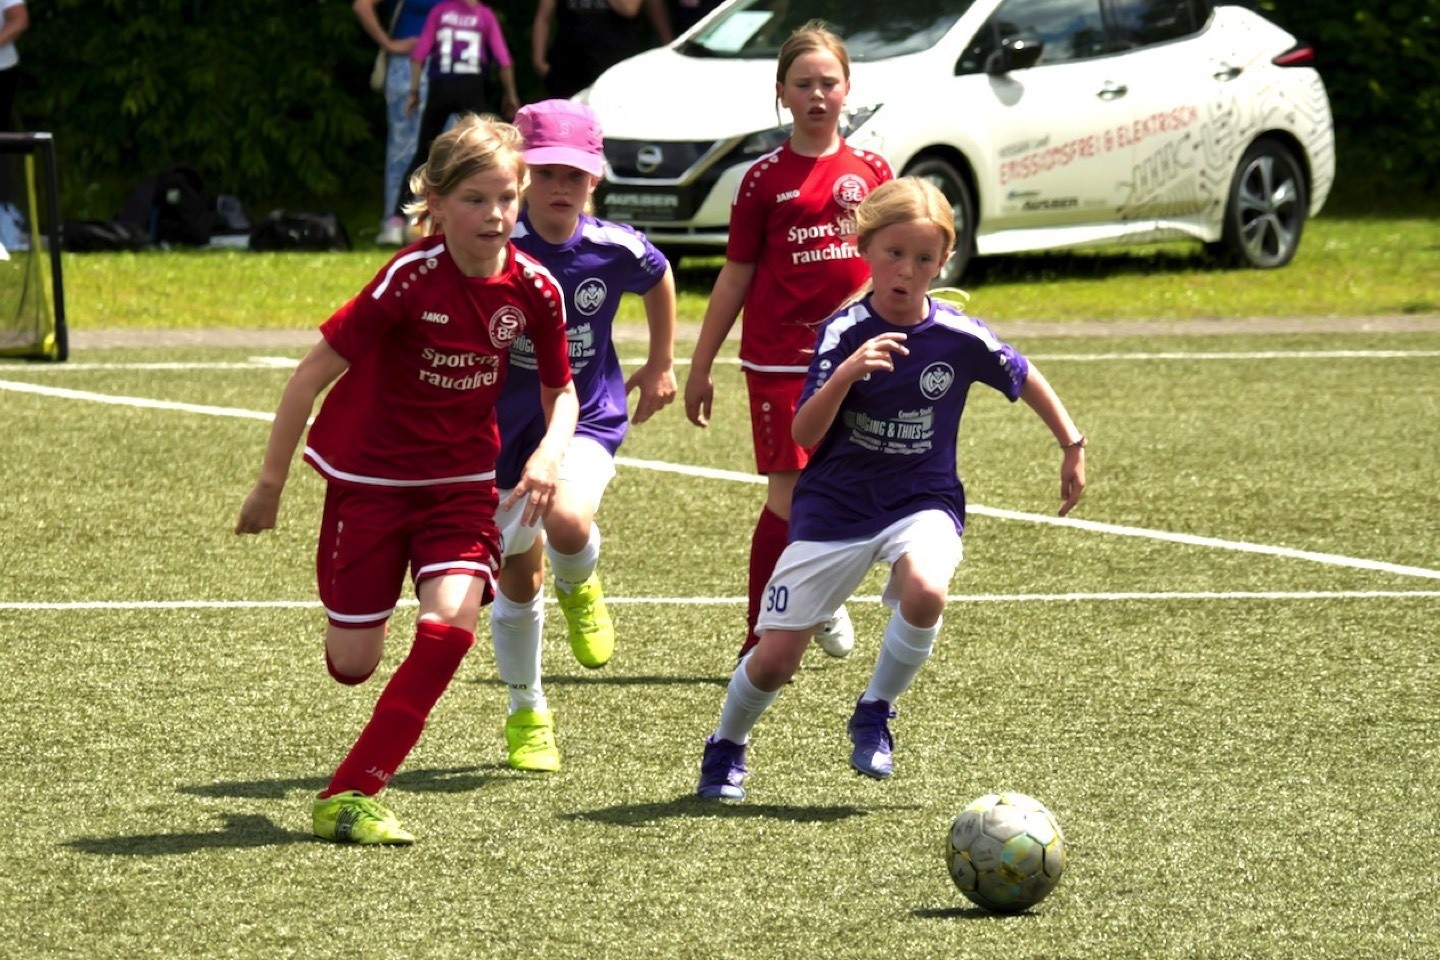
<point x="755" y="30"/>
<point x="1069" y="29"/>
<point x="1139" y="23"/>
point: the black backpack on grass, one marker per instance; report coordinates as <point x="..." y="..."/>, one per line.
<point x="172" y="207"/>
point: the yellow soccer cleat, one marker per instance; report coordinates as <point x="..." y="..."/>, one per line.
<point x="352" y="817"/>
<point x="530" y="735"/>
<point x="592" y="634"/>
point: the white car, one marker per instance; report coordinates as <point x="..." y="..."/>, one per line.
<point x="1048" y="123"/>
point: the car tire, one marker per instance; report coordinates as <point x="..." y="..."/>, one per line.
<point x="1266" y="209"/>
<point x="962" y="204"/>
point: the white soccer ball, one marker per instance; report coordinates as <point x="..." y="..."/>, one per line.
<point x="1005" y="852"/>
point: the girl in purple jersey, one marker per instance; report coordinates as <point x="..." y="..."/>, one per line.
<point x="881" y="407"/>
<point x="595" y="263"/>
<point x="406" y="440"/>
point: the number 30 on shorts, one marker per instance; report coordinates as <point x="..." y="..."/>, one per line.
<point x="777" y="599"/>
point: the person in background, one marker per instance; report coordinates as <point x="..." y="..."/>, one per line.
<point x="596" y="263"/>
<point x="674" y="17"/>
<point x="402" y="125"/>
<point x="881" y="409"/>
<point x="459" y="43"/>
<point x="789" y="261"/>
<point x="590" y="36"/>
<point x="14" y="20"/>
<point x="407" y="441"/>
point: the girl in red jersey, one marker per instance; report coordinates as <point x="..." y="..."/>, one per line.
<point x="407" y="442"/>
<point x="790" y="261"/>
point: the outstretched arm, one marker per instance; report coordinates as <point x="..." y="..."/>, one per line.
<point x="720" y="314"/>
<point x="542" y="470"/>
<point x="656" y="379"/>
<point x="316" y="372"/>
<point x="1041" y="398"/>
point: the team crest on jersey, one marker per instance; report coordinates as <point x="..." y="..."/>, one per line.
<point x="590" y="296"/>
<point x="849" y="190"/>
<point x="505" y="325"/>
<point x="936" y="379"/>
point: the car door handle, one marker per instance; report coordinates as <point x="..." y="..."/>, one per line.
<point x="1228" y="73"/>
<point x="1112" y="91"/>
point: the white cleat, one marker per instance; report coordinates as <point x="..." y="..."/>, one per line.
<point x="836" y="636"/>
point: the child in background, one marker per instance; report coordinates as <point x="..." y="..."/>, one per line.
<point x="881" y="408"/>
<point x="460" y="41"/>
<point x="407" y="442"/>
<point x="595" y="262"/>
<point x="790" y="261"/>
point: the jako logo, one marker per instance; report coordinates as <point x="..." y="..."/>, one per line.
<point x="787" y="195"/>
<point x="936" y="379"/>
<point x="505" y="325"/>
<point x="430" y="316"/>
<point x="590" y="296"/>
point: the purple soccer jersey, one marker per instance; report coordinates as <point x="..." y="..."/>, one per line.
<point x="891" y="451"/>
<point x="595" y="267"/>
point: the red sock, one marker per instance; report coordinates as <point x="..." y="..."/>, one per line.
<point x="404" y="704"/>
<point x="771" y="535"/>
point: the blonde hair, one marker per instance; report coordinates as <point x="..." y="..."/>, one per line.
<point x="477" y="142"/>
<point x="905" y="200"/>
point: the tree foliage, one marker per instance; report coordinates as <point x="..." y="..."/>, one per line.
<point x="1381" y="65"/>
<point x="267" y="98"/>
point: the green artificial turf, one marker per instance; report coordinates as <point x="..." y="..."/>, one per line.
<point x="1239" y="735"/>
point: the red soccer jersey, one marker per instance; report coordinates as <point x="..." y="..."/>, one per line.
<point x="794" y="218"/>
<point x="428" y="348"/>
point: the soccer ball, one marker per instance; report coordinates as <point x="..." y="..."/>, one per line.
<point x="1005" y="852"/>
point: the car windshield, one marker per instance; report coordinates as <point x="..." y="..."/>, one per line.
<point x="755" y="29"/>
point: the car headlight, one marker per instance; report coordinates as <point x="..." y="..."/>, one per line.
<point x="855" y="117"/>
<point x="763" y="141"/>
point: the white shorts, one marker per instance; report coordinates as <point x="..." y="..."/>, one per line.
<point x="587" y="470"/>
<point x="813" y="577"/>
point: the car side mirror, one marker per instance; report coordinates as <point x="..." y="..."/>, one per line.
<point x="1017" y="52"/>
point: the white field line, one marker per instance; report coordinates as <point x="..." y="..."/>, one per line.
<point x="737" y="477"/>
<point x="285" y="363"/>
<point x="81" y="605"/>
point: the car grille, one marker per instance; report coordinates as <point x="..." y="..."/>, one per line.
<point x="654" y="159"/>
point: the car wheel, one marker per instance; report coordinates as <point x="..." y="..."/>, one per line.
<point x="962" y="205"/>
<point x="1266" y="210"/>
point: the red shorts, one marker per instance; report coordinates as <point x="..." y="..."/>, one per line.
<point x="773" y="398"/>
<point x="370" y="536"/>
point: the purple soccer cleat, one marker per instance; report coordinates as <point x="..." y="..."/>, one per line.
<point x="722" y="770"/>
<point x="874" y="745"/>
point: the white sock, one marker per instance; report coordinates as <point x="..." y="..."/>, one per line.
<point x="515" y="630"/>
<point x="744" y="703"/>
<point x="573" y="569"/>
<point x="903" y="651"/>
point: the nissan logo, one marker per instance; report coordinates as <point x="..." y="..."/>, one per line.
<point x="649" y="158"/>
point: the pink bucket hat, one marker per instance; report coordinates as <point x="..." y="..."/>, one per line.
<point x="563" y="132"/>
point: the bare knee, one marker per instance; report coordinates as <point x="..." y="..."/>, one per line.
<point x="776" y="657"/>
<point x="922" y="603"/>
<point x="351" y="656"/>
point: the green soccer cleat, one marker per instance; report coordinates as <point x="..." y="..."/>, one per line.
<point x="352" y="817"/>
<point x="592" y="634"/>
<point x="530" y="735"/>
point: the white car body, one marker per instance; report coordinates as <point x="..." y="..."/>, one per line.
<point x="1134" y="146"/>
